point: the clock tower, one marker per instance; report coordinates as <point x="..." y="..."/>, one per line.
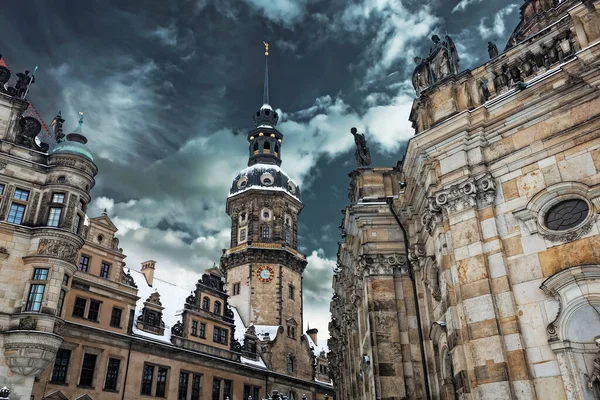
<point x="263" y="266"/>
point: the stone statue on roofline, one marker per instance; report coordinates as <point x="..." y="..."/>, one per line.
<point x="362" y="153"/>
<point x="492" y="50"/>
<point x="443" y="60"/>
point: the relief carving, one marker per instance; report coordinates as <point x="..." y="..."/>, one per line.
<point x="34" y="206"/>
<point x="27" y="324"/>
<point x="67" y="222"/>
<point x="57" y="248"/>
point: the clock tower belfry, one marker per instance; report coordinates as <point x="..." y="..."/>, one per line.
<point x="263" y="266"/>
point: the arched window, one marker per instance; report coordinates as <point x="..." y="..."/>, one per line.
<point x="276" y="148"/>
<point x="205" y="304"/>
<point x="255" y="148"/>
<point x="290" y="363"/>
<point x="267" y="147"/>
<point x="217" y="307"/>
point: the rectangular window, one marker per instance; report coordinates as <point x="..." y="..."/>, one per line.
<point x="161" y="382"/>
<point x="94" y="310"/>
<point x="291" y="292"/>
<point x="265" y="232"/>
<point x="54" y="216"/>
<point x="112" y="374"/>
<point x="115" y="317"/>
<point x="61" y="303"/>
<point x="58" y="198"/>
<point x="104" y="270"/>
<point x="66" y="280"/>
<point x="216" y="334"/>
<point x="84" y="263"/>
<point x="223" y="338"/>
<point x="77" y="223"/>
<point x="61" y="366"/>
<point x="220" y="335"/>
<point x="236" y="289"/>
<point x="227" y="390"/>
<point x="40" y="274"/>
<point x="288" y="237"/>
<point x="196" y="382"/>
<point x="194" y="328"/>
<point x="1" y="189"/>
<point x="87" y="370"/>
<point x="34" y="300"/>
<point x="183" y="385"/>
<point x="216" y="389"/>
<point x="21" y="194"/>
<point x="251" y="391"/>
<point x="147" y="380"/>
<point x="79" y="308"/>
<point x="202" y="330"/>
<point x="15" y="215"/>
<point x="243" y="235"/>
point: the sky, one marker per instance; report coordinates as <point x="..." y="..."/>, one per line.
<point x="169" y="89"/>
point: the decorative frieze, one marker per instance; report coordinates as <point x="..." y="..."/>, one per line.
<point x="381" y="265"/>
<point x="58" y="248"/>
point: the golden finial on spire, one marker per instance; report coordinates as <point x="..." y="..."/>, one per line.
<point x="266" y="48"/>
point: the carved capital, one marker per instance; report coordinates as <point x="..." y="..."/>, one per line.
<point x="383" y="264"/>
<point x="468" y="194"/>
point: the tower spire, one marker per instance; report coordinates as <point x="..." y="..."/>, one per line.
<point x="266" y="85"/>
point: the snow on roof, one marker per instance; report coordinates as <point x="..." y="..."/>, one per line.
<point x="317" y="348"/>
<point x="172" y="298"/>
<point x="265" y="126"/>
<point x="240" y="331"/>
<point x="261" y="167"/>
<point x="266" y="106"/>
<point x="271" y="188"/>
<point x="262" y="331"/>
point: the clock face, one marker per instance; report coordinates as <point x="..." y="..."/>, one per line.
<point x="265" y="273"/>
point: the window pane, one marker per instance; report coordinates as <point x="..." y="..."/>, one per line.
<point x="112" y="374"/>
<point x="84" y="263"/>
<point x="227" y="390"/>
<point x="15" y="215"/>
<point x="34" y="300"/>
<point x="21" y="194"/>
<point x="196" y="381"/>
<point x="61" y="303"/>
<point x="54" y="216"/>
<point x="104" y="270"/>
<point x="81" y="205"/>
<point x="216" y="334"/>
<point x="183" y="385"/>
<point x="202" y="330"/>
<point x="58" y="198"/>
<point x="79" y="308"/>
<point x="40" y="274"/>
<point x="76" y="223"/>
<point x="87" y="370"/>
<point x="94" y="310"/>
<point x="61" y="366"/>
<point x="216" y="390"/>
<point x="224" y="336"/>
<point x="1" y="189"/>
<point x="217" y="308"/>
<point x="161" y="382"/>
<point x="115" y="318"/>
<point x="194" y="328"/>
<point x="147" y="380"/>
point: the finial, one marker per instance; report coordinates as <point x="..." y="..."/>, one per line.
<point x="104" y="212"/>
<point x="79" y="128"/>
<point x="266" y="86"/>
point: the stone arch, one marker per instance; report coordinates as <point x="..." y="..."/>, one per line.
<point x="573" y="334"/>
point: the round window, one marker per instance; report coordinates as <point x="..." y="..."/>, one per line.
<point x="242" y="182"/>
<point x="267" y="179"/>
<point x="567" y="214"/>
<point x="100" y="238"/>
<point x="291" y="187"/>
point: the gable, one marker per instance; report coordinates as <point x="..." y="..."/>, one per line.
<point x="57" y="395"/>
<point x="105" y="222"/>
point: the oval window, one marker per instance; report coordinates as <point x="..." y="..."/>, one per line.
<point x="567" y="214"/>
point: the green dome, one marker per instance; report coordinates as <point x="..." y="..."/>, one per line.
<point x="72" y="147"/>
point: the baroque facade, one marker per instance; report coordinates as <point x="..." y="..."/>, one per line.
<point x="76" y="323"/>
<point x="472" y="269"/>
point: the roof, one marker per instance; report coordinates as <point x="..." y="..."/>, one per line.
<point x="317" y="348"/>
<point x="264" y="177"/>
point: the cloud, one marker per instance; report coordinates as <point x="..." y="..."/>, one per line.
<point x="464" y="4"/>
<point x="498" y="26"/>
<point x="167" y="35"/>
<point x="286" y="45"/>
<point x="282" y="11"/>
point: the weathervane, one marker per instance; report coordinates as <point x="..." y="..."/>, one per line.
<point x="266" y="48"/>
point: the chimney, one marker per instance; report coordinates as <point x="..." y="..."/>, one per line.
<point x="313" y="334"/>
<point x="148" y="270"/>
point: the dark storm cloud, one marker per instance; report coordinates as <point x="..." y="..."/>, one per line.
<point x="168" y="90"/>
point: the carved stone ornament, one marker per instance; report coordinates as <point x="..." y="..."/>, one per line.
<point x="469" y="194"/>
<point x="57" y="248"/>
<point x="570" y="235"/>
<point x="27" y="324"/>
<point x="128" y="280"/>
<point x="177" y="329"/>
<point x="30" y="353"/>
<point x="416" y="256"/>
<point x="3" y="253"/>
<point x="380" y="264"/>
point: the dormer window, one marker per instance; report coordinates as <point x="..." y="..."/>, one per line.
<point x="206" y="303"/>
<point x="217" y="308"/>
<point x="151" y="318"/>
